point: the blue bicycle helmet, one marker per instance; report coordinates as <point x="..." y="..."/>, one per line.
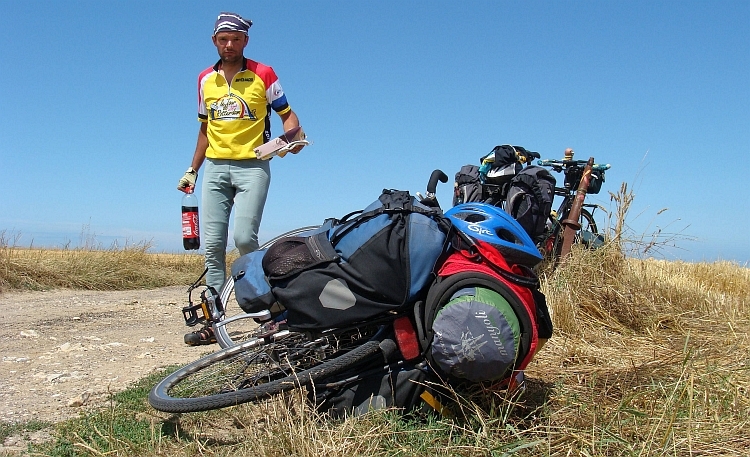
<point x="491" y="224"/>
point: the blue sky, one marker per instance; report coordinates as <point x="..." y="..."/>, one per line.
<point x="101" y="98"/>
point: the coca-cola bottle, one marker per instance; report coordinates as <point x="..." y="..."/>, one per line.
<point x="191" y="237"/>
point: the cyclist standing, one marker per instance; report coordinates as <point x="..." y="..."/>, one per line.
<point x="235" y="99"/>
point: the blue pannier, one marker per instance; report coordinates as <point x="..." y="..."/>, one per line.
<point x="358" y="267"/>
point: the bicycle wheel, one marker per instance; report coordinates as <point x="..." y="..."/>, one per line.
<point x="585" y="236"/>
<point x="589" y="235"/>
<point x="255" y="370"/>
<point x="234" y="326"/>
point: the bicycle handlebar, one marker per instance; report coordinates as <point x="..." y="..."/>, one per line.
<point x="555" y="163"/>
<point x="431" y="199"/>
<point x="437" y="175"/>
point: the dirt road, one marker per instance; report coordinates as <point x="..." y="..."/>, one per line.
<point x="65" y="351"/>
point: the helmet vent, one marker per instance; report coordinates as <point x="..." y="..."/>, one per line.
<point x="473" y="217"/>
<point x="507" y="235"/>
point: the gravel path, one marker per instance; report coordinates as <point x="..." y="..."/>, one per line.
<point x="65" y="351"/>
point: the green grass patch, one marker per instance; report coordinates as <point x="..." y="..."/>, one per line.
<point x="125" y="427"/>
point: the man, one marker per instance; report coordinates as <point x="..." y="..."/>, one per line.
<point x="235" y="99"/>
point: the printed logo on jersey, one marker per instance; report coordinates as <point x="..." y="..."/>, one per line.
<point x="231" y="107"/>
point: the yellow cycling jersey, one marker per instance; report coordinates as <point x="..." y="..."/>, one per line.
<point x="239" y="114"/>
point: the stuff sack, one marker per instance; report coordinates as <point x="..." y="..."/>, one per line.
<point x="362" y="266"/>
<point x="504" y="162"/>
<point x="476" y="335"/>
<point x="467" y="187"/>
<point x="529" y="200"/>
<point x="483" y="320"/>
<point x="499" y="166"/>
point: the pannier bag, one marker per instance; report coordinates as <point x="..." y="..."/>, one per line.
<point x="484" y="320"/>
<point x="530" y="198"/>
<point x="405" y="387"/>
<point x="251" y="288"/>
<point x="490" y="181"/>
<point x="467" y="187"/>
<point x="362" y="266"/>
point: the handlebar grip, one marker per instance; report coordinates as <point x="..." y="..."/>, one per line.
<point x="437" y="175"/>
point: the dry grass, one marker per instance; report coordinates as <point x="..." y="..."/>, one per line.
<point x="649" y="358"/>
<point x="129" y="267"/>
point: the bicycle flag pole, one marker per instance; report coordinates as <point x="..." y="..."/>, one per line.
<point x="572" y="223"/>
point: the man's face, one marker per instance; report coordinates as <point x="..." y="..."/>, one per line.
<point x="230" y="46"/>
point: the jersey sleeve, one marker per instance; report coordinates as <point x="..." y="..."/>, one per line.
<point x="276" y="98"/>
<point x="274" y="93"/>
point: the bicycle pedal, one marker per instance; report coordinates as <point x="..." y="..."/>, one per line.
<point x="191" y="316"/>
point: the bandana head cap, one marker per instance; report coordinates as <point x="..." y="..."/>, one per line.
<point x="231" y="22"/>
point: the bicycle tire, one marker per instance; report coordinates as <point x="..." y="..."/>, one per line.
<point x="221" y="379"/>
<point x="231" y="334"/>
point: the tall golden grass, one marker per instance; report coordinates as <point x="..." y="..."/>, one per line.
<point x="115" y="268"/>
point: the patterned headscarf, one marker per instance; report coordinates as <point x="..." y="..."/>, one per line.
<point x="231" y="22"/>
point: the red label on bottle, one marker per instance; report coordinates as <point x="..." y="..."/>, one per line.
<point x="190" y="225"/>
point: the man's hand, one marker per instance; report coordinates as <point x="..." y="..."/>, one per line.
<point x="187" y="182"/>
<point x="297" y="148"/>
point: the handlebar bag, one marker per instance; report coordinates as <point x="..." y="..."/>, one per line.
<point x="573" y="175"/>
<point x="362" y="266"/>
<point x="595" y="184"/>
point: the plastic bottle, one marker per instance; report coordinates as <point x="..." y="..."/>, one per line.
<point x="191" y="237"/>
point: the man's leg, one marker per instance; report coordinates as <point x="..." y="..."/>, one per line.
<point x="251" y="179"/>
<point x="218" y="195"/>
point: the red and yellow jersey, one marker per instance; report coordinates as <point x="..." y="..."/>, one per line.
<point x="238" y="114"/>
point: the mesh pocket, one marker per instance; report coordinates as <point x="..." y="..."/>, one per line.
<point x="294" y="254"/>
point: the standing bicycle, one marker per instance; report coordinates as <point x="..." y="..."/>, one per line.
<point x="586" y="230"/>
<point x="507" y="179"/>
